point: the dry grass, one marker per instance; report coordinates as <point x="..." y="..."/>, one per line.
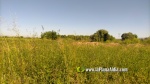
<point x="87" y="43"/>
<point x="33" y="61"/>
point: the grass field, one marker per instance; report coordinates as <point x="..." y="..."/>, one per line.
<point x="42" y="61"/>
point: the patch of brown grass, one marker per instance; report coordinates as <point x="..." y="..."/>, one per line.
<point x="86" y="43"/>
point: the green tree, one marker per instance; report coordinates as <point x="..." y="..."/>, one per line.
<point x="49" y="35"/>
<point x="101" y="35"/>
<point x="94" y="37"/>
<point x="129" y="36"/>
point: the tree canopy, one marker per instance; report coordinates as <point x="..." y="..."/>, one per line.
<point x="49" y="35"/>
<point x="101" y="35"/>
<point x="129" y="36"/>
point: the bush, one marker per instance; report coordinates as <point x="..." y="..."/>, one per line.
<point x="129" y="36"/>
<point x="49" y="35"/>
<point x="133" y="41"/>
<point x="101" y="35"/>
<point x="146" y="40"/>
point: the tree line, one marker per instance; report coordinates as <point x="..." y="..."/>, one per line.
<point x="99" y="36"/>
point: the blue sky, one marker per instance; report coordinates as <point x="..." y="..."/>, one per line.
<point x="80" y="17"/>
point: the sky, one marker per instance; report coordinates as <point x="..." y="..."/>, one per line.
<point x="76" y="17"/>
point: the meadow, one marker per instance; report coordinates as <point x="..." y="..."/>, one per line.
<point x="43" y="61"/>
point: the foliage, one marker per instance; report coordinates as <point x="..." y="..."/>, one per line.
<point x="76" y="37"/>
<point x="63" y="36"/>
<point x="49" y="35"/>
<point x="37" y="61"/>
<point x="133" y="41"/>
<point x="129" y="35"/>
<point x="146" y="40"/>
<point x="101" y="35"/>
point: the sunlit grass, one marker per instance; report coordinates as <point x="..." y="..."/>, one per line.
<point x="47" y="61"/>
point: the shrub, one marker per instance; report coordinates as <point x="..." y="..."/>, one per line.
<point x="49" y="35"/>
<point x="129" y="35"/>
<point x="129" y="41"/>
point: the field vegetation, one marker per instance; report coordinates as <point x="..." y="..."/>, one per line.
<point x="46" y="61"/>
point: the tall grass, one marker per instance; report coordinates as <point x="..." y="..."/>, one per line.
<point x="42" y="61"/>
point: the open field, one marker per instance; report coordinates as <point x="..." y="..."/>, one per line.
<point x="42" y="61"/>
